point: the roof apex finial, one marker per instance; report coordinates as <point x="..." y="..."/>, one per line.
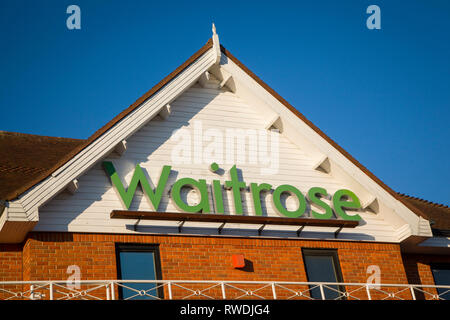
<point x="216" y="43"/>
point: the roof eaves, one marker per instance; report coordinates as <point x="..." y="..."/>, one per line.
<point x="434" y="204"/>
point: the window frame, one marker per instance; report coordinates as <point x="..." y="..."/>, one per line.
<point x="335" y="258"/>
<point x="442" y="266"/>
<point x="140" y="247"/>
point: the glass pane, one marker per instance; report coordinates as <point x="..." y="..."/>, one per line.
<point x="138" y="266"/>
<point x="321" y="269"/>
<point x="442" y="278"/>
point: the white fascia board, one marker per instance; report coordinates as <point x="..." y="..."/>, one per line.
<point x="14" y="223"/>
<point x="3" y="208"/>
<point x="3" y="218"/>
<point x="16" y="211"/>
<point x="317" y="146"/>
<point x="424" y="227"/>
<point x="404" y="232"/>
<point x="102" y="146"/>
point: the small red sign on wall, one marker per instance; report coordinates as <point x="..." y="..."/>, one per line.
<point x="238" y="260"/>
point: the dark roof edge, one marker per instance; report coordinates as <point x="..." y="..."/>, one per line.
<point x="39" y="136"/>
<point x="439" y="205"/>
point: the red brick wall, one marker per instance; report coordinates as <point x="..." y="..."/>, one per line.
<point x="46" y="256"/>
<point x="10" y="262"/>
<point x="10" y="266"/>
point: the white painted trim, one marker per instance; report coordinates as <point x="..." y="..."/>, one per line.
<point x="228" y="82"/>
<point x="3" y="218"/>
<point x="424" y="226"/>
<point x="165" y="112"/>
<point x="396" y="291"/>
<point x="121" y="147"/>
<point x="72" y="187"/>
<point x="371" y="204"/>
<point x="404" y="232"/>
<point x="323" y="165"/>
<point x="275" y="122"/>
<point x="204" y="78"/>
<point x="216" y="44"/>
<point x="16" y="211"/>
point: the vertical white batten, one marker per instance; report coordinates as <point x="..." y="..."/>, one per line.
<point x="216" y="44"/>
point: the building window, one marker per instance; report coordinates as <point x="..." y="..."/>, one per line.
<point x="323" y="266"/>
<point x="441" y="275"/>
<point x="139" y="262"/>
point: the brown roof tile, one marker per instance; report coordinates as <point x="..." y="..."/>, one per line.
<point x="438" y="214"/>
<point x="27" y="157"/>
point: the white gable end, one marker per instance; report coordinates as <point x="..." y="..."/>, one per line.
<point x="212" y="99"/>
<point x="89" y="208"/>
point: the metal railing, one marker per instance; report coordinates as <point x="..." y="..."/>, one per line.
<point x="223" y="289"/>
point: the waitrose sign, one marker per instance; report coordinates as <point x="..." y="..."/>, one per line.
<point x="342" y="199"/>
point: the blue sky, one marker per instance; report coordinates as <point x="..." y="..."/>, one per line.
<point x="383" y="95"/>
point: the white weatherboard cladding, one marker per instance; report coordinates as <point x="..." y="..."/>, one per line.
<point x="88" y="210"/>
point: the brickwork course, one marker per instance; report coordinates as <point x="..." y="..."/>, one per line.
<point x="46" y="256"/>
